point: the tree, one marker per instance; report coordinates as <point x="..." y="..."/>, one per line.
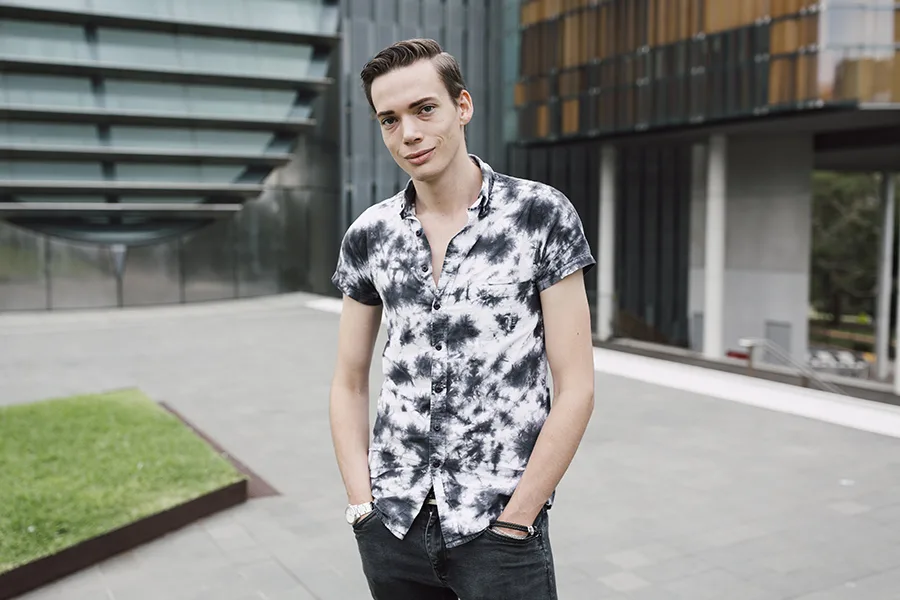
<point x="846" y="226"/>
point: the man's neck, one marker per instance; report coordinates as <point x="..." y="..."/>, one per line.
<point x="454" y="191"/>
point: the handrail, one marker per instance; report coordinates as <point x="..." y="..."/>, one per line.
<point x="806" y="374"/>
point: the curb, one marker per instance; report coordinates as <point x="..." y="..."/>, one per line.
<point x="89" y="552"/>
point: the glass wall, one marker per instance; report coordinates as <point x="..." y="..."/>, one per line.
<point x="278" y="15"/>
<point x="282" y="242"/>
<point x="154" y="102"/>
<point x="590" y="67"/>
<point x="652" y="227"/>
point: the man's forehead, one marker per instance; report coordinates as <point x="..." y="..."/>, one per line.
<point x="401" y="87"/>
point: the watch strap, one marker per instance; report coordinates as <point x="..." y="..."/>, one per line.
<point x="361" y="509"/>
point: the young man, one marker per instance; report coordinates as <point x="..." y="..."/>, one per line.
<point x="480" y="278"/>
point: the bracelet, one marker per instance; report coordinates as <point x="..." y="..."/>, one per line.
<point x="529" y="529"/>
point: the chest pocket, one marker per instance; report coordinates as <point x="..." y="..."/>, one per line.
<point x="504" y="307"/>
<point x="492" y="295"/>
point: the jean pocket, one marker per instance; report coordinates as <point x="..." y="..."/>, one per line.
<point x="507" y="538"/>
<point x="363" y="521"/>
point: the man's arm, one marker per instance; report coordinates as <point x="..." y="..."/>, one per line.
<point x="349" y="403"/>
<point x="567" y="332"/>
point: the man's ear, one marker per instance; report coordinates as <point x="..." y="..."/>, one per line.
<point x="467" y="108"/>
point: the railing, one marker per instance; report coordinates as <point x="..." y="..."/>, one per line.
<point x="806" y="374"/>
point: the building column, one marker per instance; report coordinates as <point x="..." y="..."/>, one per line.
<point x="606" y="241"/>
<point x="714" y="269"/>
<point x="885" y="278"/>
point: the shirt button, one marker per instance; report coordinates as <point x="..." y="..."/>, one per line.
<point x="437" y="427"/>
<point x="439" y="347"/>
<point x="424" y="268"/>
<point x="437" y="305"/>
<point x="436" y="463"/>
<point x="418" y="233"/>
<point x="438" y="388"/>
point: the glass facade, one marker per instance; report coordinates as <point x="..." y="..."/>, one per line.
<point x="594" y="67"/>
<point x="140" y="104"/>
<point x="150" y="150"/>
<point x="653" y="196"/>
<point x="281" y="241"/>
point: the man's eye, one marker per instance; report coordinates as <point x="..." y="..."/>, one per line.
<point x="428" y="109"/>
<point x="387" y="121"/>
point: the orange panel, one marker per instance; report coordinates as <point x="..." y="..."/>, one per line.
<point x="792" y="34"/>
<point x="881" y="80"/>
<point x="895" y="77"/>
<point x="713" y="16"/>
<point x="806" y="76"/>
<point x="777" y="8"/>
<point x="520" y="94"/>
<point x="542" y="126"/>
<point x="680" y="19"/>
<point x="662" y="22"/>
<point x="570" y="116"/>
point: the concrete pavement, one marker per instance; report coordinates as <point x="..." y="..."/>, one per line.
<point x="696" y="491"/>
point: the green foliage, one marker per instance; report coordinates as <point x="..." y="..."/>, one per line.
<point x="846" y="229"/>
<point x="74" y="468"/>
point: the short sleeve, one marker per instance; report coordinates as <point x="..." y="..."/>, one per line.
<point x="353" y="275"/>
<point x="565" y="247"/>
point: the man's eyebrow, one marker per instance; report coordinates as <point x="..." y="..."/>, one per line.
<point x="419" y="102"/>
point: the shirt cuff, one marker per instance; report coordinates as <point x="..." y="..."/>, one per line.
<point x="582" y="261"/>
<point x="369" y="299"/>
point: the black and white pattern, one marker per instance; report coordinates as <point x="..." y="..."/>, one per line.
<point x="465" y="390"/>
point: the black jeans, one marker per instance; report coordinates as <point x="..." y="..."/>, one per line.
<point x="421" y="567"/>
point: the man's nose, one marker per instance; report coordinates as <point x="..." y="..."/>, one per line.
<point x="411" y="132"/>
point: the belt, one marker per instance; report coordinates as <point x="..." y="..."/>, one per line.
<point x="430" y="499"/>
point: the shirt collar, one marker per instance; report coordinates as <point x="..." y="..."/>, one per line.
<point x="481" y="206"/>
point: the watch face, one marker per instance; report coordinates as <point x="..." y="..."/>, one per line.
<point x="350" y="515"/>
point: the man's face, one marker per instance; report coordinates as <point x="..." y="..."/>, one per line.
<point x="420" y="124"/>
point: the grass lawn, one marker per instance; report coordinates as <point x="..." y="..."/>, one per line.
<point x="74" y="468"/>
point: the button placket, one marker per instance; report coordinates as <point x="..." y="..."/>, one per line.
<point x="438" y="334"/>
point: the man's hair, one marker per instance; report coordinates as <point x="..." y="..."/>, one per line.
<point x="407" y="52"/>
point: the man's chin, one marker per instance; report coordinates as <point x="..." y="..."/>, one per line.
<point x="422" y="173"/>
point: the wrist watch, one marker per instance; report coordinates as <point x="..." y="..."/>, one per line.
<point x="355" y="511"/>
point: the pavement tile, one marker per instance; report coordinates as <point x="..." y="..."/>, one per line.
<point x="295" y="593"/>
<point x="674" y="569"/>
<point x="624" y="581"/>
<point x="849" y="507"/>
<point x="716" y="585"/>
<point x="630" y="559"/>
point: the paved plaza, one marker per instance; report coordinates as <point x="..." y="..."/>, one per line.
<point x="674" y="494"/>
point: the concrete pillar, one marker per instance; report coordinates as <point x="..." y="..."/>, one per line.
<point x="714" y="268"/>
<point x="606" y="240"/>
<point x="885" y="278"/>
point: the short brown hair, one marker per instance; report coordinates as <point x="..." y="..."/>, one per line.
<point x="404" y="53"/>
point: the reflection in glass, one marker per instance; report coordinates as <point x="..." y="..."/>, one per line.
<point x="152" y="274"/>
<point x="23" y="283"/>
<point x="296" y="227"/>
<point x="208" y="262"/>
<point x="260" y="234"/>
<point x="82" y="275"/>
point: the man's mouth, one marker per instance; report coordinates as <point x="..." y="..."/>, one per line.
<point x="419" y="154"/>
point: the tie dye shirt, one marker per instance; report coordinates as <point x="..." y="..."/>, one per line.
<point x="465" y="390"/>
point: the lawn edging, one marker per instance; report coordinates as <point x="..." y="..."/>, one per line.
<point x="74" y="558"/>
